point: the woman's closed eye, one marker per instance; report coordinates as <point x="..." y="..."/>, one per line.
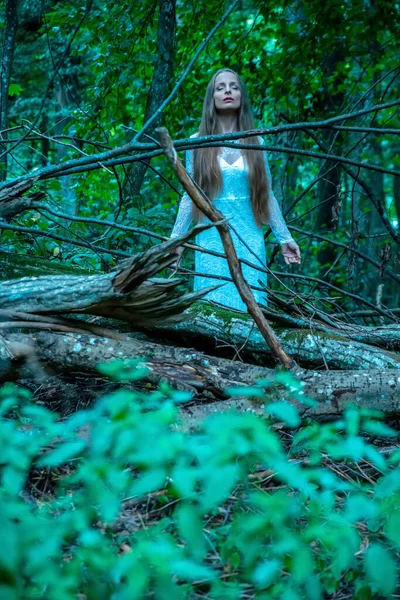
<point x="221" y="87"/>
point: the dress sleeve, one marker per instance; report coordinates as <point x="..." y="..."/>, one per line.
<point x="275" y="219"/>
<point x="184" y="216"/>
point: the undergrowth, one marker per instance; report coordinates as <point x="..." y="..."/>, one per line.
<point x="139" y="507"/>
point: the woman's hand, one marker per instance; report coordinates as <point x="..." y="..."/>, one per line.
<point x="291" y="253"/>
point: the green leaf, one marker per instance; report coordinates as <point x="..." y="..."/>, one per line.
<point x="284" y="411"/>
<point x="190" y="527"/>
<point x="265" y="573"/>
<point x="184" y="480"/>
<point x="223" y="590"/>
<point x="290" y="594"/>
<point x="360" y="507"/>
<point x="13" y="480"/>
<point x="218" y="485"/>
<point x="352" y="418"/>
<point x="313" y="588"/>
<point x="9" y="555"/>
<point x="392" y="528"/>
<point x="123" y="370"/>
<point x="190" y="571"/>
<point x="380" y="568"/>
<point x="302" y="564"/>
<point x="247" y="392"/>
<point x="378" y="428"/>
<point x="8" y="593"/>
<point x="150" y="481"/>
<point x="394" y="458"/>
<point x="388" y="485"/>
<point x="64" y="453"/>
<point x="352" y="447"/>
<point x="14" y="89"/>
<point x="375" y="457"/>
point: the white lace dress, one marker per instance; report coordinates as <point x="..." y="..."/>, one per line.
<point x="235" y="204"/>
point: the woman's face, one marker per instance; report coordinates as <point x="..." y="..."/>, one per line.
<point x="227" y="95"/>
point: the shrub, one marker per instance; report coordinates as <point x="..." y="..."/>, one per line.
<point x="141" y="507"/>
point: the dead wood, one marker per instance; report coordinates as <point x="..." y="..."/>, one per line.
<point x="129" y="293"/>
<point x="208" y="377"/>
<point x="222" y="332"/>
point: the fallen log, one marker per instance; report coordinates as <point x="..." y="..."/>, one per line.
<point x="156" y="306"/>
<point x="130" y="292"/>
<point x="219" y="331"/>
<point x="208" y="377"/>
<point x="16" y="266"/>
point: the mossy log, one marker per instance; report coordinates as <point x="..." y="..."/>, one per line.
<point x="207" y="377"/>
<point x="147" y="304"/>
<point x="129" y="293"/>
<point x="233" y="334"/>
<point x="15" y="266"/>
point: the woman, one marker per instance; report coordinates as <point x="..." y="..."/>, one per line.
<point x="239" y="184"/>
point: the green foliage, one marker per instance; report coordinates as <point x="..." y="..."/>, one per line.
<point x="141" y="506"/>
<point x="299" y="63"/>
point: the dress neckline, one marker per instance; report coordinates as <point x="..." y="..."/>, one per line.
<point x="234" y="163"/>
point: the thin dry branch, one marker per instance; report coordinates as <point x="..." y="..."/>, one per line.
<point x="365" y="257"/>
<point x="120" y="155"/>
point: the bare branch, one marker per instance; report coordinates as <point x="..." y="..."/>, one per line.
<point x="365" y="257"/>
<point x="117" y="156"/>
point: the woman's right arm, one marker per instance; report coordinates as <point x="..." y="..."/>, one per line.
<point x="184" y="216"/>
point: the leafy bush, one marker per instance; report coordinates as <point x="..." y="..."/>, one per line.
<point x="141" y="506"/>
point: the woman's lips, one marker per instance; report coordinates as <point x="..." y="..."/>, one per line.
<point x="228" y="100"/>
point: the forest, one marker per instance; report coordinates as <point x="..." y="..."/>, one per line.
<point x="155" y="444"/>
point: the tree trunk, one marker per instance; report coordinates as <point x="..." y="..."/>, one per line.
<point x="233" y="336"/>
<point x="329" y="196"/>
<point x="396" y="196"/>
<point x="7" y="57"/>
<point x="128" y="293"/>
<point x="62" y="120"/>
<point x="148" y="305"/>
<point x="158" y="91"/>
<point x="207" y="377"/>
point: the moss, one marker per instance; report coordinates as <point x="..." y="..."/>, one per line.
<point x="298" y="336"/>
<point x="14" y="266"/>
<point x="223" y="315"/>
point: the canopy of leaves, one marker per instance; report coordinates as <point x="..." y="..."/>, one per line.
<point x="84" y="72"/>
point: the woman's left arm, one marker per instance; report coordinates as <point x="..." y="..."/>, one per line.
<point x="290" y="249"/>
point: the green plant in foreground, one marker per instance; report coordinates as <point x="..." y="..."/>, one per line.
<point x="144" y="508"/>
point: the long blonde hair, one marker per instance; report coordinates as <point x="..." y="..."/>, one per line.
<point x="206" y="169"/>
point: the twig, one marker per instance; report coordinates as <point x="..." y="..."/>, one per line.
<point x="365" y="257"/>
<point x="115" y="156"/>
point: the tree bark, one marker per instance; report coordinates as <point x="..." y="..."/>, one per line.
<point x="63" y="118"/>
<point x="207" y="377"/>
<point x="128" y="293"/>
<point x="224" y="333"/>
<point x="7" y="57"/>
<point x="158" y="91"/>
<point x="329" y="195"/>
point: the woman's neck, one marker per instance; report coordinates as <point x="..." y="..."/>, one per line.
<point x="228" y="123"/>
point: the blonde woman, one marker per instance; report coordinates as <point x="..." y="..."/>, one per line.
<point x="239" y="184"/>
